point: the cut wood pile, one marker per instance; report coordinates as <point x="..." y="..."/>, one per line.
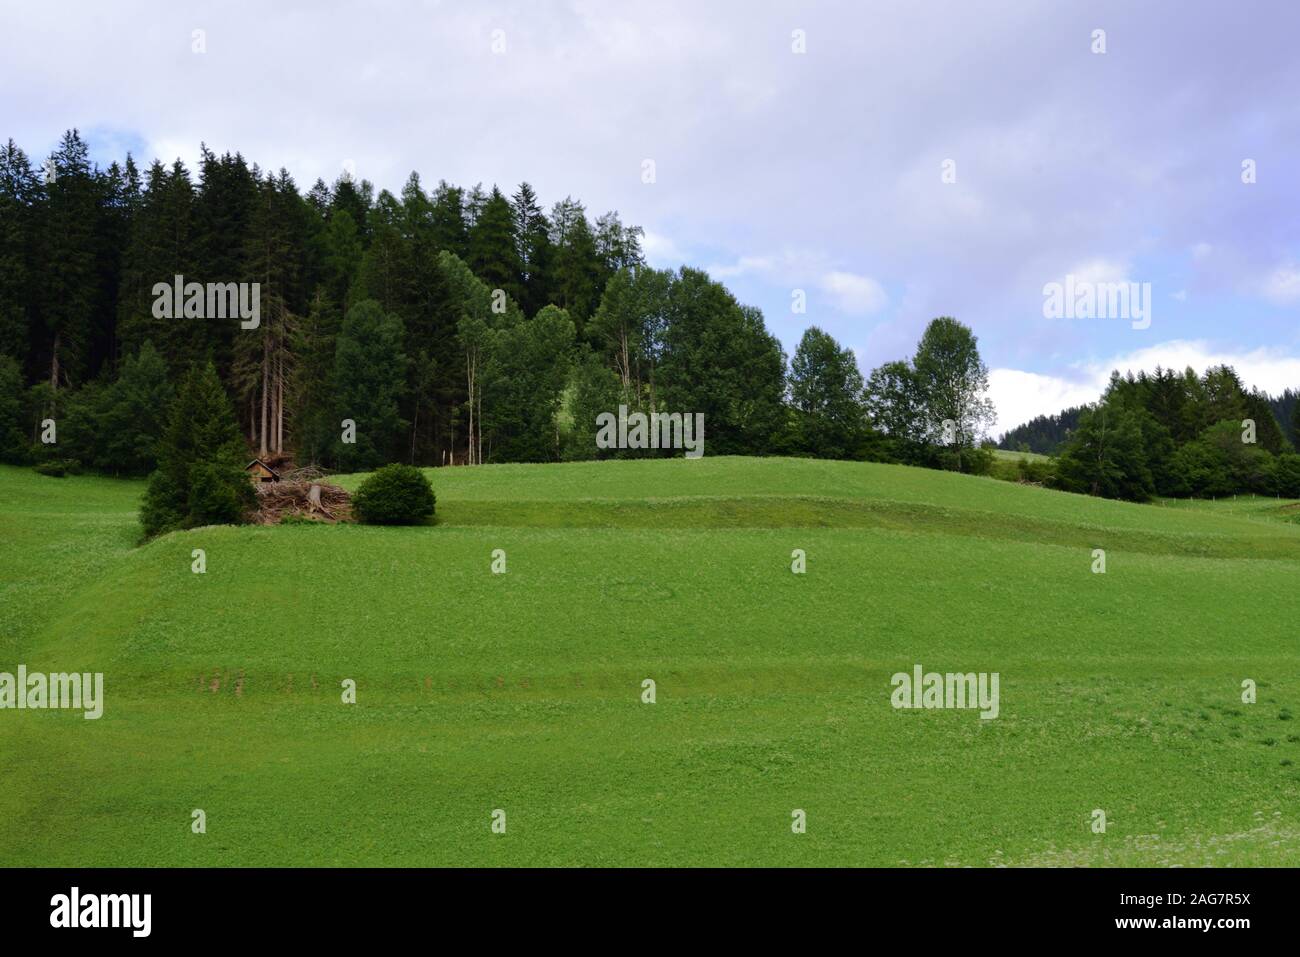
<point x="308" y="473"/>
<point x="315" y="500"/>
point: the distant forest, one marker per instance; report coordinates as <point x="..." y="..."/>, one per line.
<point x="1175" y="434"/>
<point x="1047" y="434"/>
<point x="1044" y="434"/>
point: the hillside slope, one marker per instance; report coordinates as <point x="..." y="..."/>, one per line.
<point x="522" y="691"/>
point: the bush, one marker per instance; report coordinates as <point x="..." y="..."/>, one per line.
<point x="394" y="495"/>
<point x="58" y="468"/>
<point x="1035" y="472"/>
<point x="220" y="494"/>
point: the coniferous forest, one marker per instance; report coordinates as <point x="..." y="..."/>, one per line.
<point x="448" y="325"/>
<point x="453" y="325"/>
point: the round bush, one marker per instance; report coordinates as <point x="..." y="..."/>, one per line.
<point x="394" y="495"/>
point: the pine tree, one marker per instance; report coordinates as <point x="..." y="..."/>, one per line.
<point x="122" y="202"/>
<point x="369" y="378"/>
<point x="20" y="196"/>
<point x="576" y="276"/>
<point x="450" y="230"/>
<point x="200" y="478"/>
<point x="223" y="214"/>
<point x="263" y="356"/>
<point x="354" y="199"/>
<point x="69" y="277"/>
<point x="493" y="254"/>
<point x="533" y="248"/>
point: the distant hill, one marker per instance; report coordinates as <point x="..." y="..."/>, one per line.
<point x="1044" y="434"/>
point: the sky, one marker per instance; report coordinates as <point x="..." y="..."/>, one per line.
<point x="880" y="162"/>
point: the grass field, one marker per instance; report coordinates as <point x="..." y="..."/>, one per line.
<point x="522" y="691"/>
<point x="1005" y="455"/>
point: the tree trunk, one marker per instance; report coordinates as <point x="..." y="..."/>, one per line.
<point x="266" y="396"/>
<point x="469" y="381"/>
<point x="279" y="404"/>
<point x="415" y="427"/>
<point x="54" y="364"/>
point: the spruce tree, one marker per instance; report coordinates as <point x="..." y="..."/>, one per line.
<point x="533" y="248"/>
<point x="20" y="194"/>
<point x="369" y="379"/>
<point x="450" y="230"/>
<point x="493" y="254"/>
<point x="68" y="250"/>
<point x="200" y="478"/>
<point x="576" y="282"/>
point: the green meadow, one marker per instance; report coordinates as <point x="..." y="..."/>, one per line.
<point x="522" y="691"/>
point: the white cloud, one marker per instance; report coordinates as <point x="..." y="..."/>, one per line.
<point x="661" y="251"/>
<point x="854" y="294"/>
<point x="743" y="265"/>
<point x="1100" y="271"/>
<point x="1018" y="396"/>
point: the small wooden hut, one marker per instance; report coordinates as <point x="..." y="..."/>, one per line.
<point x="259" y="471"/>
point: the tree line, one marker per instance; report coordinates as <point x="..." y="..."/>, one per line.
<point x="452" y="326"/>
<point x="1179" y="434"/>
<point x="1045" y="434"/>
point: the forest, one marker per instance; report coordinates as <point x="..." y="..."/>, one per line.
<point x="462" y="326"/>
<point x="451" y="326"/>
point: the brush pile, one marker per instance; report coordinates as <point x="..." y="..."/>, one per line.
<point x="313" y="500"/>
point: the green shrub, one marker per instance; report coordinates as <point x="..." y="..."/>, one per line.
<point x="1036" y="472"/>
<point x="57" y="468"/>
<point x="220" y="494"/>
<point x="394" y="495"/>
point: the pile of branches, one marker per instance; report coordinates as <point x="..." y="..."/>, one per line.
<point x="308" y="473"/>
<point x="316" y="501"/>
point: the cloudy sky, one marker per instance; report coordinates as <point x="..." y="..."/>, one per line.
<point x="777" y="170"/>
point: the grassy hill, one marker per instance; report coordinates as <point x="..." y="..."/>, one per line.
<point x="522" y="691"/>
